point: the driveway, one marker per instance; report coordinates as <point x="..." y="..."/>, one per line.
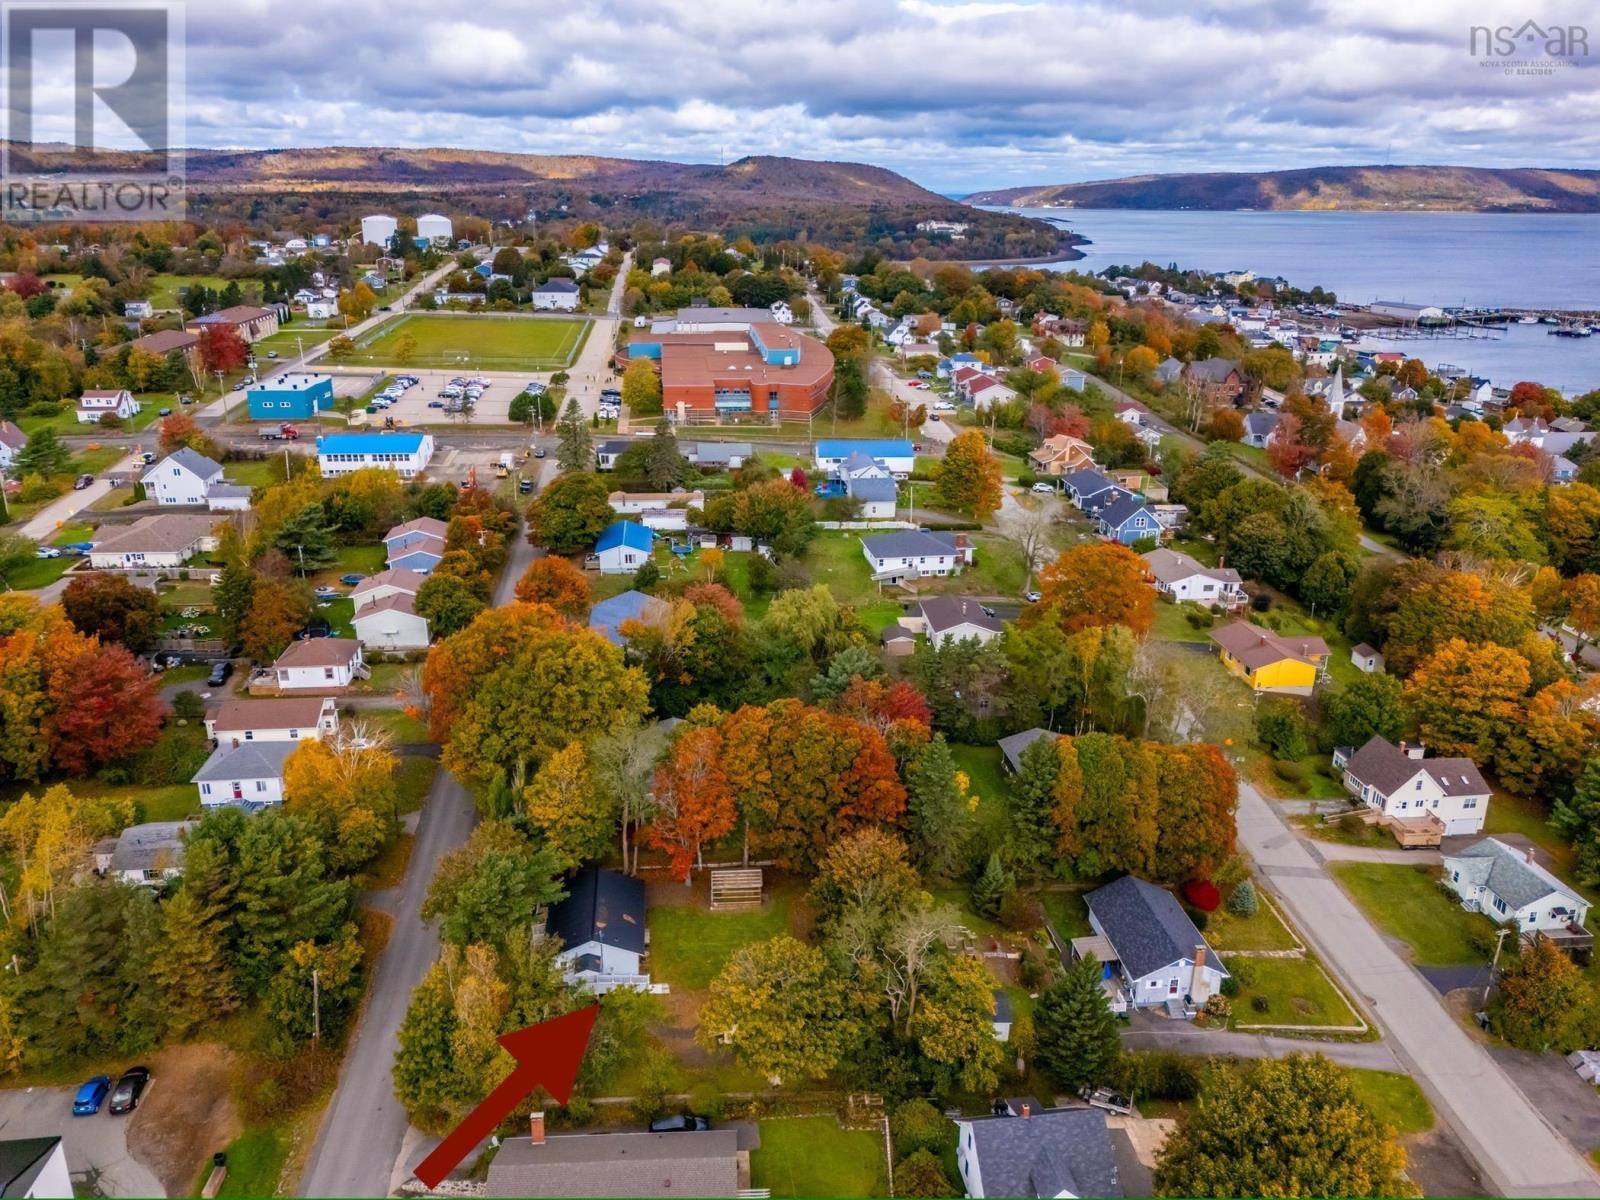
<point x="1518" y="1148"/>
<point x="97" y="1146"/>
<point x="42" y="526"/>
<point x="365" y="1131"/>
<point x="1161" y="1033"/>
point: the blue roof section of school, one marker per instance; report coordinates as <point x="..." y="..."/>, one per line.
<point x="369" y="443"/>
<point x="873" y="448"/>
<point x="624" y="533"/>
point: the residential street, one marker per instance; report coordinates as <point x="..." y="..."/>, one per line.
<point x="1517" y="1149"/>
<point x="365" y="1126"/>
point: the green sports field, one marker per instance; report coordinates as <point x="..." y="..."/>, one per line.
<point x="490" y="343"/>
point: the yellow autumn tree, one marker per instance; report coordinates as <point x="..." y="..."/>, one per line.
<point x="565" y="802"/>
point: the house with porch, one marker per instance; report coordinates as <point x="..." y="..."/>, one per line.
<point x="1091" y="491"/>
<point x="1150" y="952"/>
<point x="1128" y="521"/>
<point x="601" y="925"/>
<point x="106" y="402"/>
<point x="913" y="553"/>
<point x="1178" y="577"/>
<point x="279" y="719"/>
<point x="319" y="665"/>
<point x="1061" y="455"/>
<point x="1505" y="884"/>
<point x="248" y="775"/>
<point x="1269" y="661"/>
<point x="1403" y="784"/>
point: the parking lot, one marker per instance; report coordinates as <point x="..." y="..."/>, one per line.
<point x="97" y="1146"/>
<point x="492" y="408"/>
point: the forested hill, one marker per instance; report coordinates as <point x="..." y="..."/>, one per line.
<point x="847" y="206"/>
<point x="1443" y="189"/>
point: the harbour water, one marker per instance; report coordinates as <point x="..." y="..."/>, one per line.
<point x="1473" y="259"/>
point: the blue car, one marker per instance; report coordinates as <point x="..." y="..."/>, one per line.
<point x="91" y="1096"/>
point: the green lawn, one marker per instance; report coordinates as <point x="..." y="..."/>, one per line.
<point x="164" y="288"/>
<point x="1067" y="912"/>
<point x="400" y="726"/>
<point x="1297" y="990"/>
<point x="1406" y="903"/>
<point x="97" y="459"/>
<point x="492" y="343"/>
<point x="1395" y="1100"/>
<point x="289" y="338"/>
<point x="65" y="421"/>
<point x="1172" y="623"/>
<point x="39" y="572"/>
<point x="1263" y="931"/>
<point x="987" y="781"/>
<point x="689" y="945"/>
<point x="255" y="1162"/>
<point x="812" y="1156"/>
<point x="338" y="614"/>
<point x="256" y="472"/>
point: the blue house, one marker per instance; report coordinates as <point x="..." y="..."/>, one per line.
<point x="607" y="616"/>
<point x="623" y="548"/>
<point x="296" y="397"/>
<point x="1091" y="491"/>
<point x="949" y="366"/>
<point x="1128" y="520"/>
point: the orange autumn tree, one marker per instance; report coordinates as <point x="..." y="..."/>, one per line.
<point x="553" y="580"/>
<point x="1099" y="584"/>
<point x="1467" y="697"/>
<point x="804" y="778"/>
<point x="693" y="803"/>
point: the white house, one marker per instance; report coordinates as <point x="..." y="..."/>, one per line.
<point x="1025" y="1149"/>
<point x="1149" y="950"/>
<point x="147" y="854"/>
<point x="878" y="496"/>
<point x="623" y="548"/>
<point x="911" y="553"/>
<point x="392" y="623"/>
<point x="138" y="310"/>
<point x="36" y="1168"/>
<point x="557" y="294"/>
<point x="322" y="310"/>
<point x="119" y="402"/>
<point x="1404" y="785"/>
<point x="660" y="267"/>
<point x="1506" y="885"/>
<point x="394" y="582"/>
<point x="407" y="454"/>
<point x="782" y="313"/>
<point x="1179" y="577"/>
<point x="630" y="504"/>
<point x="1366" y="659"/>
<point x="12" y="443"/>
<point x="954" y="619"/>
<point x="319" y="665"/>
<point x="601" y="925"/>
<point x="162" y="540"/>
<point x="280" y="719"/>
<point x="899" y="457"/>
<point x="249" y="774"/>
<point x="182" y="477"/>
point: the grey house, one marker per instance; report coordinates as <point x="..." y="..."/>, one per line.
<point x="1149" y="950"/>
<point x="1025" y="1149"/>
<point x="706" y="1163"/>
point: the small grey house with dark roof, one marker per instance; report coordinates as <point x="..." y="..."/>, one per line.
<point x="1148" y="948"/>
<point x="703" y="1163"/>
<point x="948" y="619"/>
<point x="1091" y="491"/>
<point x="602" y="930"/>
<point x="1024" y="1150"/>
<point x="149" y="854"/>
<point x="1011" y="748"/>
<point x="1506" y="885"/>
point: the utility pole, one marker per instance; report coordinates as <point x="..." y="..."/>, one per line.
<point x="316" y="1005"/>
<point x="1499" y="941"/>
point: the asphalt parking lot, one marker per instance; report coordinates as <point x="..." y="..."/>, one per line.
<point x="97" y="1147"/>
<point x="493" y="407"/>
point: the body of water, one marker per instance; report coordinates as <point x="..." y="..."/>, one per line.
<point x="1474" y="259"/>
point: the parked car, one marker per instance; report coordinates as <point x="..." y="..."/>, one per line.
<point x="683" y="1123"/>
<point x="538" y="451"/>
<point x="125" y="1096"/>
<point x="524" y="486"/>
<point x="435" y="403"/>
<point x="167" y="412"/>
<point x="933" y="417"/>
<point x="352" y="579"/>
<point x="91" y="1096"/>
<point x="986" y="611"/>
<point x="240" y="386"/>
<point x="1044" y="489"/>
<point x="272" y="354"/>
<point x="147" y="457"/>
<point x="219" y="673"/>
<point x="943" y="406"/>
<point x="47" y="552"/>
<point x="81" y="482"/>
<point x="1032" y="597"/>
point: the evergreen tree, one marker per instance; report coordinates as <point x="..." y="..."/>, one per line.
<point x="1032" y="836"/>
<point x="937" y="810"/>
<point x="45" y="454"/>
<point x="191" y="974"/>
<point x="1578" y="820"/>
<point x="664" y="467"/>
<point x="1242" y="901"/>
<point x="1076" y="1034"/>
<point x="306" y="539"/>
<point x="991" y="888"/>
<point x="576" y="449"/>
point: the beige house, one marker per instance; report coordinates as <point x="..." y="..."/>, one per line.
<point x="1061" y="455"/>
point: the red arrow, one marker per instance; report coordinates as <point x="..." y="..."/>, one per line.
<point x="548" y="1055"/>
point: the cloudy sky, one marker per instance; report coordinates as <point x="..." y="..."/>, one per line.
<point x="957" y="94"/>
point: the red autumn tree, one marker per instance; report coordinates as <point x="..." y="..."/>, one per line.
<point x="714" y="595"/>
<point x="553" y="580"/>
<point x="1287" y="450"/>
<point x="106" y="707"/>
<point x="693" y="803"/>
<point x="222" y="349"/>
<point x="882" y="706"/>
<point x="28" y="285"/>
<point x="798" y="478"/>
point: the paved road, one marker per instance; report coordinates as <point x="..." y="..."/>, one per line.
<point x="1518" y="1150"/>
<point x="364" y="1129"/>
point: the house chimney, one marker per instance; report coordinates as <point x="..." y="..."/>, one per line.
<point x="1528" y="852"/>
<point x="1027" y="1110"/>
<point x="536" y="1126"/>
<point x="1197" y="977"/>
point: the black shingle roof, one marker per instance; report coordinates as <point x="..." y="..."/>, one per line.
<point x="601" y="906"/>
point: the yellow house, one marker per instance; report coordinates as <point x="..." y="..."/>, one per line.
<point x="1268" y="661"/>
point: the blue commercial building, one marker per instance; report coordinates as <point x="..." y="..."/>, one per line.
<point x="290" y="397"/>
